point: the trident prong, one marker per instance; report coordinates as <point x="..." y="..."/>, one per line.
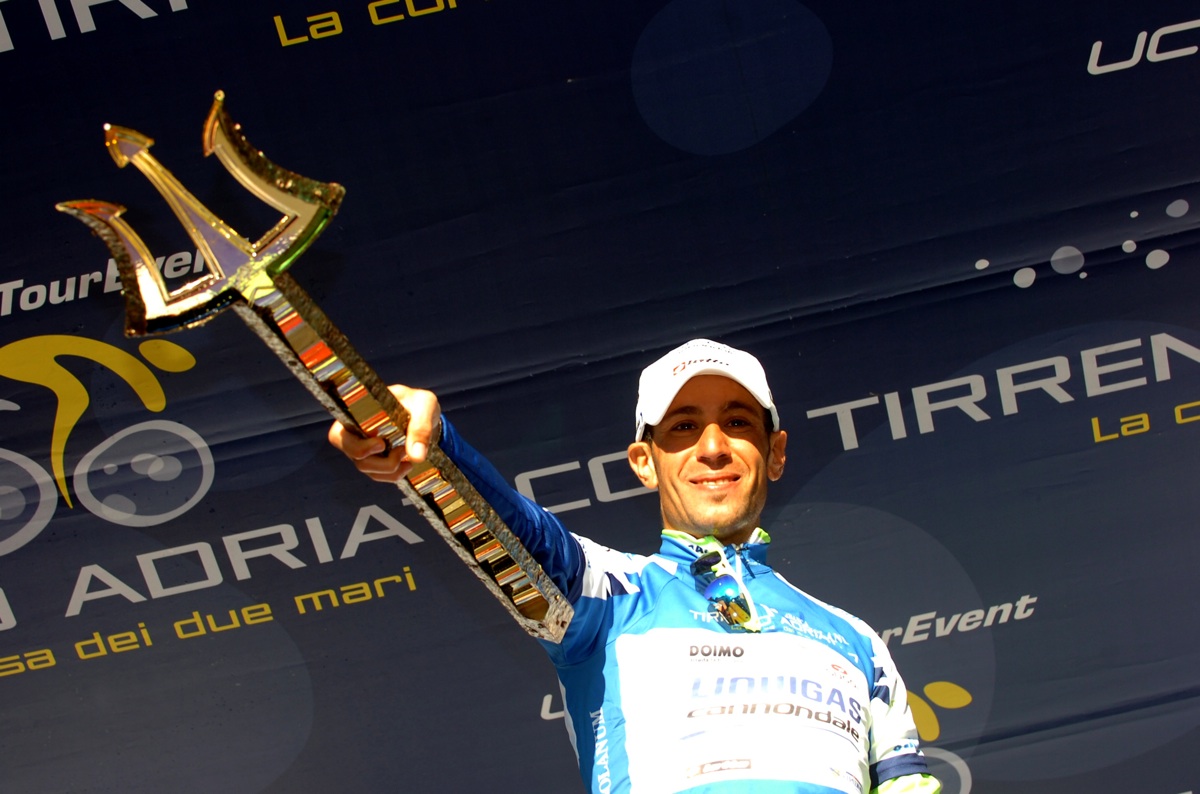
<point x="308" y="205"/>
<point x="268" y="299"/>
<point x="234" y="263"/>
<point x="149" y="307"/>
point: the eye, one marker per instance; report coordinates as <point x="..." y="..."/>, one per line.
<point x="683" y="426"/>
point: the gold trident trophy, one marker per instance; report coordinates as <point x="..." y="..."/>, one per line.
<point x="261" y="291"/>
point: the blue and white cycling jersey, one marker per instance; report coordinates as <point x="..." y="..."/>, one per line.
<point x="662" y="694"/>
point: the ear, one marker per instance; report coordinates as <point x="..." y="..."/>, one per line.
<point x="776" y="454"/>
<point x="641" y="460"/>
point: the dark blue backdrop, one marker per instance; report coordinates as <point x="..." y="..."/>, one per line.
<point x="960" y="237"/>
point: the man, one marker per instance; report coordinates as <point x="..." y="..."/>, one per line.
<point x="699" y="668"/>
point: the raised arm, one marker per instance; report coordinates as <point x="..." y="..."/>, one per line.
<point x="555" y="549"/>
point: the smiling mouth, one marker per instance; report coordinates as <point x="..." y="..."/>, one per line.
<point x="715" y="482"/>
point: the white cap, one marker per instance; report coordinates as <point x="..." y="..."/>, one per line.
<point x="663" y="379"/>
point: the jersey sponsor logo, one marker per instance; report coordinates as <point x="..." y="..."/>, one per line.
<point x="784" y="709"/>
<point x="760" y="686"/>
<point x="847" y="777"/>
<point x="766" y="618"/>
<point x="794" y="624"/>
<point x="841" y="673"/>
<point x="728" y="765"/>
<point x="705" y="652"/>
<point x="602" y="770"/>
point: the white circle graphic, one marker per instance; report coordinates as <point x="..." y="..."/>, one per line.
<point x="956" y="763"/>
<point x="155" y="462"/>
<point x="14" y="500"/>
<point x="1067" y="259"/>
<point x="1157" y="258"/>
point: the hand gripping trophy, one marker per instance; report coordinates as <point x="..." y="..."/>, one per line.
<point x="252" y="278"/>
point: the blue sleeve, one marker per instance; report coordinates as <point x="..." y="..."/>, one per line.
<point x="555" y="549"/>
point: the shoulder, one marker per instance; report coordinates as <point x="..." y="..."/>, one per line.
<point x="843" y="626"/>
<point x="851" y="623"/>
<point x="610" y="572"/>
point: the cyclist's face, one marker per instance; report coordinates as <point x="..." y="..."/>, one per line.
<point x="711" y="458"/>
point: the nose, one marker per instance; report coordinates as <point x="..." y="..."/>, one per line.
<point x="713" y="446"/>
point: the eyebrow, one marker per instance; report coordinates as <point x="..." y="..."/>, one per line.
<point x="694" y="410"/>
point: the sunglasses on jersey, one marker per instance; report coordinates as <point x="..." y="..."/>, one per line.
<point x="724" y="592"/>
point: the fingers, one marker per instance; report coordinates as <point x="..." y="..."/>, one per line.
<point x="351" y="444"/>
<point x="424" y="417"/>
<point x="371" y="456"/>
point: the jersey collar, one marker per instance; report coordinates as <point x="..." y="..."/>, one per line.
<point x="684" y="548"/>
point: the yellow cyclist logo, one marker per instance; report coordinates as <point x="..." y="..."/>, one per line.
<point x="143" y="475"/>
<point x="940" y="693"/>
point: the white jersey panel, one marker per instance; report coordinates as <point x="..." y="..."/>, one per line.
<point x="704" y="708"/>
